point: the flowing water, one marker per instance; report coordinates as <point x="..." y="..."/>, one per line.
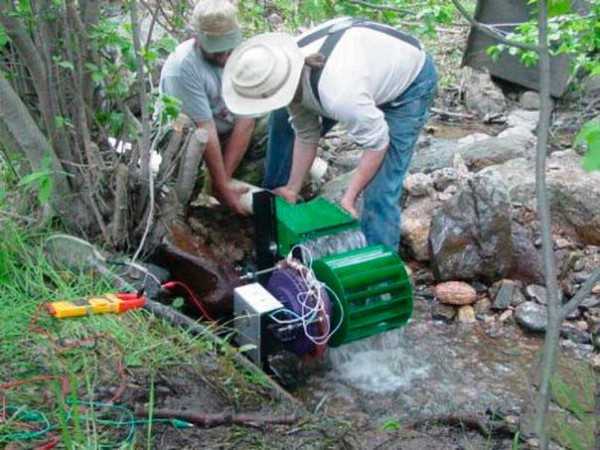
<point x="333" y="244"/>
<point x="427" y="369"/>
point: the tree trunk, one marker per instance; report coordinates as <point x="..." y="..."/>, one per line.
<point x="550" y="351"/>
<point x="21" y="129"/>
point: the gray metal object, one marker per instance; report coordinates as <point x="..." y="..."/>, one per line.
<point x="507" y="13"/>
<point x="251" y="305"/>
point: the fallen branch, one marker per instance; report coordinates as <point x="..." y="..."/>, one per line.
<point x="581" y="295"/>
<point x="471" y="423"/>
<point x="215" y="420"/>
<point x="442" y="112"/>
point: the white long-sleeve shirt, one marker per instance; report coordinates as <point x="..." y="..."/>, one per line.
<point x="366" y="68"/>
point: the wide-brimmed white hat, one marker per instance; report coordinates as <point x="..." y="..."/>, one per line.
<point x="262" y="74"/>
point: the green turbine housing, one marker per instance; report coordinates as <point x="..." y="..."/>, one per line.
<point x="300" y="222"/>
<point x="373" y="288"/>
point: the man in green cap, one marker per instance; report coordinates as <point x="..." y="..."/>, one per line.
<point x="192" y="73"/>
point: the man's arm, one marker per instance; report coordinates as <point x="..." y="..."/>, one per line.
<point x="369" y="164"/>
<point x="216" y="167"/>
<point x="237" y="144"/>
<point x="304" y="156"/>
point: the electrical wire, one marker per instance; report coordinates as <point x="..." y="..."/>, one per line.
<point x="310" y="298"/>
<point x="170" y="285"/>
<point x="123" y="417"/>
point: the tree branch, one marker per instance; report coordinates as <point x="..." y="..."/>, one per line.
<point x="382" y="7"/>
<point x="581" y="294"/>
<point x="490" y="31"/>
<point x="215" y="420"/>
<point x="143" y="143"/>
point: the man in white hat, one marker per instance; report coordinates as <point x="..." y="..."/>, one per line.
<point x="375" y="80"/>
<point x="193" y="73"/>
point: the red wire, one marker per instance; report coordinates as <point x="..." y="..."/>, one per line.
<point x="50" y="444"/>
<point x="197" y="303"/>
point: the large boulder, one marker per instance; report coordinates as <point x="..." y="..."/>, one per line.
<point x="482" y="96"/>
<point x="574" y="193"/>
<point x="477" y="155"/>
<point x="416" y="224"/>
<point x="471" y="236"/>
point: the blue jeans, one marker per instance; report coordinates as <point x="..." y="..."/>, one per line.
<point x="405" y="116"/>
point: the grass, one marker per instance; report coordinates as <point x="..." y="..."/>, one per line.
<point x="88" y="352"/>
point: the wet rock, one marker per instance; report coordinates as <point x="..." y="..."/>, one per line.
<point x="591" y="302"/>
<point x="443" y="312"/>
<point x="530" y="100"/>
<point x="591" y="86"/>
<point x="472" y="138"/>
<point x="595" y="334"/>
<point x="466" y="314"/>
<point x="482" y="306"/>
<point x="481" y="154"/>
<point x="444" y="178"/>
<point x="348" y="159"/>
<point x="574" y="194"/>
<point x="518" y="298"/>
<point x="574" y="315"/>
<point x="527" y="263"/>
<point x="482" y="96"/>
<point x="562" y="243"/>
<point x="334" y="189"/>
<point x="415" y="227"/>
<point x="470" y="234"/>
<point x="531" y="316"/>
<point x="574" y="334"/>
<point x="505" y="315"/>
<point x="462" y="171"/>
<point x="537" y="294"/>
<point x="522" y="118"/>
<point x="455" y="293"/>
<point x="505" y="294"/>
<point x="521" y="132"/>
<point x="418" y="185"/>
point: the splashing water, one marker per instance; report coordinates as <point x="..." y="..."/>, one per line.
<point x="377" y="364"/>
<point x="333" y="244"/>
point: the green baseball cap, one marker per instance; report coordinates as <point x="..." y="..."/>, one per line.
<point x="216" y="25"/>
<point x="216" y="43"/>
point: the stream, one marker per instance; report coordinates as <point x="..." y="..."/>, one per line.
<point x="426" y="369"/>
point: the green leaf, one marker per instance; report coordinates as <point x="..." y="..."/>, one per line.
<point x="590" y="136"/>
<point x="66" y="65"/>
<point x="559" y="7"/>
<point x="33" y="178"/>
<point x="246" y="348"/>
<point x="45" y="190"/>
<point x="4" y="39"/>
<point x="391" y="425"/>
<point x="178" y="303"/>
<point x="591" y="160"/>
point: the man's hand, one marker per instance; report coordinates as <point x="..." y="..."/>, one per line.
<point x="290" y="195"/>
<point x="348" y="203"/>
<point x="230" y="197"/>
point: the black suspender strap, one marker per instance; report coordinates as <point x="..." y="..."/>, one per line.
<point x="326" y="49"/>
<point x="333" y="35"/>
